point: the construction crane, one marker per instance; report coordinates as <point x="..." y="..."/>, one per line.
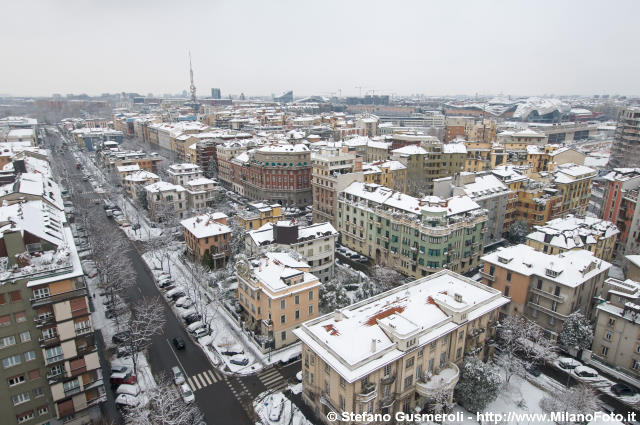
<point x="360" y="88"/>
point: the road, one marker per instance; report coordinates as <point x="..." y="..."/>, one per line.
<point x="223" y="399"/>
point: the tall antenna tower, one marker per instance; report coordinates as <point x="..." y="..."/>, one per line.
<point x="192" y="87"/>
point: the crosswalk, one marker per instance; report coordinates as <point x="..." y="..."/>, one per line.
<point x="272" y="379"/>
<point x="202" y="380"/>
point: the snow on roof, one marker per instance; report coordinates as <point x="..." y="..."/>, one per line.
<point x="206" y="225"/>
<point x="633" y="259"/>
<point x="357" y="141"/>
<point x="141" y="176"/>
<point x="35" y="217"/>
<point x="361" y="338"/>
<point x="573" y="232"/>
<point x="454" y="148"/>
<point x="485" y="186"/>
<point x="410" y="150"/>
<point x="630" y="313"/>
<point x="542" y="106"/>
<point x="200" y="181"/>
<point x="570" y="268"/>
<point x="20" y="132"/>
<point x="378" y="145"/>
<point x="163" y="186"/>
<point x="35" y="184"/>
<point x="275" y="268"/>
<point x="182" y="168"/>
<point x="528" y="133"/>
<point x="283" y="148"/>
<point x="264" y="235"/>
<point x="128" y="168"/>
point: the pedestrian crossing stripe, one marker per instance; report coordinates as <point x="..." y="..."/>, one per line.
<point x="203" y="380"/>
<point x="272" y="379"/>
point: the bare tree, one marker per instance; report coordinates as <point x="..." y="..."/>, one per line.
<point x="146" y="320"/>
<point x="580" y="399"/>
<point x="165" y="407"/>
<point x="523" y="345"/>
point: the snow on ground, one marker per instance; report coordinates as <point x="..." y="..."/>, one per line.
<point x="136" y="217"/>
<point x="275" y="408"/>
<point x="145" y="379"/>
<point x="100" y="321"/>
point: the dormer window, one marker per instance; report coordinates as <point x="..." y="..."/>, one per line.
<point x="551" y="273"/>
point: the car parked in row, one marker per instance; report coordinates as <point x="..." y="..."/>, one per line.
<point x="178" y="376"/>
<point x="240" y="360"/>
<point x="187" y="394"/>
<point x="623" y="390"/>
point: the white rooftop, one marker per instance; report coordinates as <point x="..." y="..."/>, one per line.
<point x="206" y="225"/>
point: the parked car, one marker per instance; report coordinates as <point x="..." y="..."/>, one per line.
<point x="623" y="390"/>
<point x="174" y="291"/>
<point x="165" y="282"/>
<point x="291" y="359"/>
<point x="186" y="313"/>
<point x="119" y="368"/>
<point x="178" y="376"/>
<point x="199" y="333"/>
<point x="178" y="342"/>
<point x="194" y="317"/>
<point x="534" y="370"/>
<point x="275" y="411"/>
<point x="123" y="352"/>
<point x="180" y="302"/>
<point x="119" y="378"/>
<point x="131" y="389"/>
<point x="187" y="394"/>
<point x="127" y="400"/>
<point x="240" y="360"/>
<point x="195" y="326"/>
<point x="568" y="363"/>
<point x="120" y="337"/>
<point x="585" y="372"/>
<point x="232" y="350"/>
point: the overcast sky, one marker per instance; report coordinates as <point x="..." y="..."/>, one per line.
<point x="318" y="47"/>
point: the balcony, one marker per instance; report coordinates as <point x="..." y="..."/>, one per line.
<point x="388" y="380"/>
<point x="367" y="393"/>
<point x="487" y="276"/>
<point x="444" y="380"/>
<point x="38" y="302"/>
<point x="547" y="310"/>
<point x="47" y="341"/>
<point x="548" y="295"/>
<point x="86" y="349"/>
<point x="72" y="391"/>
<point x="44" y="320"/>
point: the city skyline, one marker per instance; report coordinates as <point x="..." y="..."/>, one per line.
<point x="261" y="49"/>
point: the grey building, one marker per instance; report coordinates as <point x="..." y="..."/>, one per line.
<point x="626" y="144"/>
<point x="486" y="190"/>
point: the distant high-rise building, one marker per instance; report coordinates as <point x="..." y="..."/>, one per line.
<point x="216" y="94"/>
<point x="626" y="145"/>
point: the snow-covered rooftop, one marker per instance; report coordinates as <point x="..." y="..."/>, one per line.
<point x="410" y="150"/>
<point x="362" y="338"/>
<point x="279" y="271"/>
<point x="163" y="186"/>
<point x="573" y="232"/>
<point x="264" y="235"/>
<point x="35" y="184"/>
<point x="570" y="268"/>
<point x="127" y="168"/>
<point x="454" y="148"/>
<point x="141" y="176"/>
<point x="485" y="186"/>
<point x="206" y="225"/>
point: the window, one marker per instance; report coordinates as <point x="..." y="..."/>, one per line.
<point x="539" y="285"/>
<point x="492" y="270"/>
<point x="29" y="355"/>
<point x="433" y="345"/>
<point x="283" y="335"/>
<point x="409" y="363"/>
<point x="11" y="361"/>
<point x="418" y="372"/>
<point x="459" y="353"/>
<point x="71" y="385"/>
<point x="636" y="365"/>
<point x="310" y="295"/>
<point x="7" y="341"/>
<point x="605" y="350"/>
<point x="460" y="335"/>
<point x="54" y="354"/>
<point x="40" y="293"/>
<point x="508" y="276"/>
<point x="506" y="291"/>
<point x="612" y="321"/>
<point x="421" y="352"/>
<point x="20" y="317"/>
<point x="408" y="381"/>
<point x="607" y="336"/>
<point x="25" y="336"/>
<point x="297" y="299"/>
<point x="15" y="380"/>
<point x="5" y="320"/>
<point x="310" y="310"/>
<point x="283" y="318"/>
<point x="431" y="364"/>
<point x="387" y="368"/>
<point x="15" y="296"/>
<point x="282" y="304"/>
<point x="342" y="403"/>
<point x="43" y="410"/>
<point x="443" y="359"/>
<point x="24" y="417"/>
<point x="343" y="383"/>
<point x="327" y="388"/>
<point x="297" y="314"/>
<point x="21" y="398"/>
<point x="38" y="392"/>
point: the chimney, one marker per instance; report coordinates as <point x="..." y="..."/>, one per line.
<point x="373" y="345"/>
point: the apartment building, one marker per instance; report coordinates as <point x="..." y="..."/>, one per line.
<point x="457" y="127"/>
<point x="50" y="362"/>
<point x="546" y="158"/>
<point x="415" y="236"/>
<point x="316" y="243"/>
<point x="573" y="233"/>
<point x="616" y="184"/>
<point x="377" y="150"/>
<point x="546" y="288"/>
<point x="428" y="162"/>
<point x="92" y="138"/>
<point x="397" y="351"/>
<point x="487" y="191"/>
<point x="574" y="185"/>
<point x="624" y="150"/>
<point x="333" y="170"/>
<point x="207" y="237"/>
<point x="202" y="192"/>
<point x="483" y="131"/>
<point x="276" y="294"/>
<point x="514" y="180"/>
<point x="483" y="156"/>
<point x="631" y="267"/>
<point x="115" y="158"/>
<point x="615" y="338"/>
<point x="256" y="215"/>
<point x="279" y="173"/>
<point x="134" y="182"/>
<point x="182" y="173"/>
<point x="31" y="187"/>
<point x="166" y="200"/>
<point x="389" y="173"/>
